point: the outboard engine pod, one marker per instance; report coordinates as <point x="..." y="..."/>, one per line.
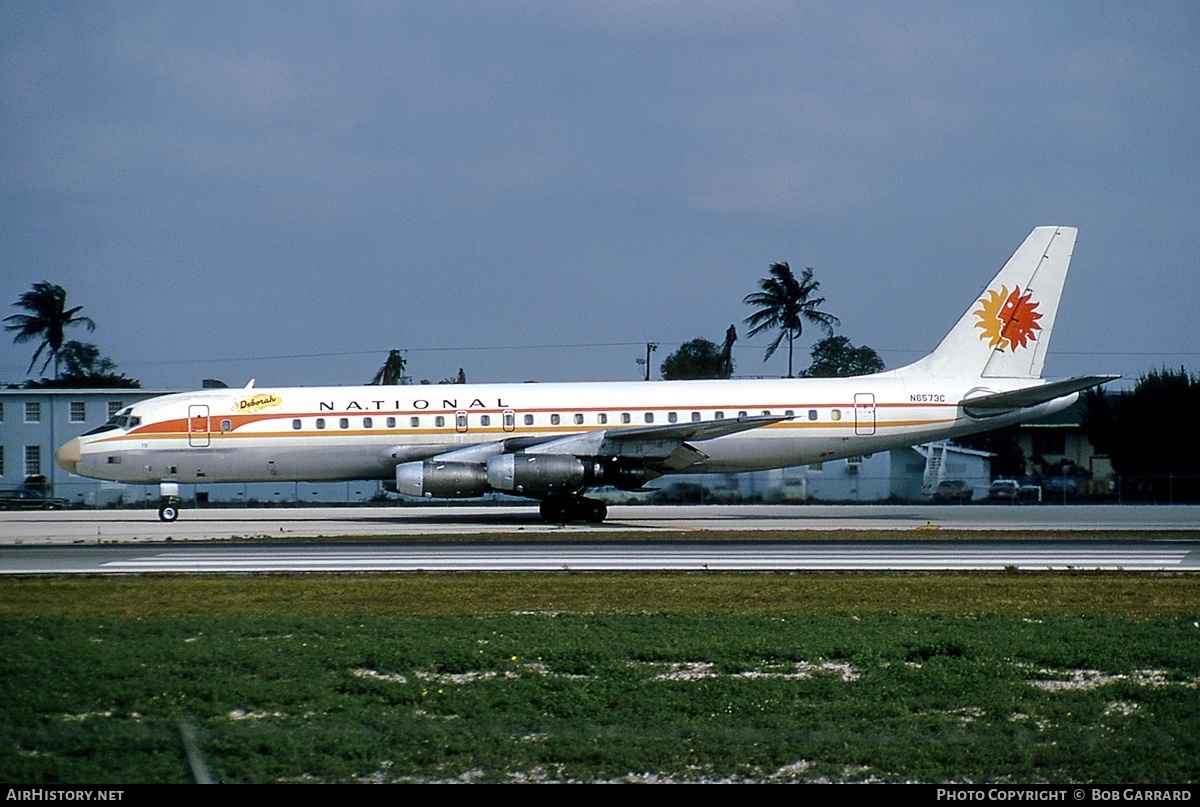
<point x="441" y="479"/>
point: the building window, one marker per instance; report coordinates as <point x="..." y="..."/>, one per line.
<point x="78" y="412"/>
<point x="1" y="411"/>
<point x="1" y="460"/>
<point x="113" y="407"/>
<point x="33" y="412"/>
<point x="33" y="460"/>
<point x="1049" y="441"/>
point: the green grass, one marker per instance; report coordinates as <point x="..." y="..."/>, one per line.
<point x="587" y="677"/>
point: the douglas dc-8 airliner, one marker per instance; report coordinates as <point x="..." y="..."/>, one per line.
<point x="554" y="441"/>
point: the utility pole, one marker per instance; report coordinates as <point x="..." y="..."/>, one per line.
<point x="650" y="348"/>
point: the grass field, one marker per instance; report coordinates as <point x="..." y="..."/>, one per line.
<point x="1005" y="677"/>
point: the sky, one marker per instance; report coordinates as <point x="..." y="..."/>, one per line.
<point x="532" y="191"/>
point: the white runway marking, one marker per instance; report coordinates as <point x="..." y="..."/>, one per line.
<point x="633" y="557"/>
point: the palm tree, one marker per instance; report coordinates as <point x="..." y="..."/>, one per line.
<point x="47" y="320"/>
<point x="787" y="304"/>
<point x="392" y="371"/>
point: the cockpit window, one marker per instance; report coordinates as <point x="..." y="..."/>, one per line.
<point x="121" y="420"/>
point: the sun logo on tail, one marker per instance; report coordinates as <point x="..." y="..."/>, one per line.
<point x="1007" y="321"/>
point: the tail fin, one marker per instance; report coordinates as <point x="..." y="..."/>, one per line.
<point x="1005" y="332"/>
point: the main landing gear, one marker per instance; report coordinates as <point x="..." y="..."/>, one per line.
<point x="563" y="509"/>
<point x="169" y="511"/>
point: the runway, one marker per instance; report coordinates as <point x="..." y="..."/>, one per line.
<point x="415" y="523"/>
<point x="494" y="539"/>
<point x="930" y="555"/>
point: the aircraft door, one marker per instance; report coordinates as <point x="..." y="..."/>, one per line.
<point x="198" y="431"/>
<point x="864" y="413"/>
<point x="509" y="420"/>
<point x="460" y="422"/>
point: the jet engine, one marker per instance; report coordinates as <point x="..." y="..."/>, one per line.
<point x="533" y="475"/>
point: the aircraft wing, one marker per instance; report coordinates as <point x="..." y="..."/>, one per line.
<point x="998" y="402"/>
<point x="665" y="446"/>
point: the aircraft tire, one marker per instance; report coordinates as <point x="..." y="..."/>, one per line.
<point x="168" y="512"/>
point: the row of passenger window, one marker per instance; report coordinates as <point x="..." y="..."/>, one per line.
<point x="578" y="419"/>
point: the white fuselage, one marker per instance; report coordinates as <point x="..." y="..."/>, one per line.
<point x="342" y="433"/>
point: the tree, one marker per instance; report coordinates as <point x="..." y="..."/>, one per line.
<point x="726" y="369"/>
<point x="47" y="320"/>
<point x="787" y="304"/>
<point x="837" y="357"/>
<point x="1149" y="434"/>
<point x="84" y="367"/>
<point x="392" y="371"/>
<point x="698" y="358"/>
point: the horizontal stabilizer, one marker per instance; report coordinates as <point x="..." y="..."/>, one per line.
<point x="997" y="402"/>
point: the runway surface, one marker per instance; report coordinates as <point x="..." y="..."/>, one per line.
<point x="105" y="526"/>
<point x="768" y="537"/>
<point x="1134" y="555"/>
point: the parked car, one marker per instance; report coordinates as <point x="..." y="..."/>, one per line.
<point x="1004" y="490"/>
<point x="25" y="499"/>
<point x="953" y="490"/>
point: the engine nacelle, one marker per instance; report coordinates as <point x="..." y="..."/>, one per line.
<point x="441" y="479"/>
<point x="538" y="474"/>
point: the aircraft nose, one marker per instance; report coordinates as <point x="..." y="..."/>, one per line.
<point x="67" y="455"/>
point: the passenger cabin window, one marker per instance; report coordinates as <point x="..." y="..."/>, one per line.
<point x="485" y="420"/>
<point x="673" y="417"/>
<point x="529" y="420"/>
<point x="555" y="420"/>
<point x="741" y="414"/>
<point x="414" y="422"/>
<point x="296" y="423"/>
<point x="439" y="422"/>
<point x="368" y="423"/>
<point x="718" y="416"/>
<point x="226" y="426"/>
<point x="836" y="414"/>
<point x="649" y="417"/>
<point x="343" y="423"/>
<point x="391" y="423"/>
<point x="812" y="414"/>
<point x="602" y="418"/>
<point x="695" y="417"/>
<point x="320" y="423"/>
<point x="625" y="418"/>
<point x="578" y="420"/>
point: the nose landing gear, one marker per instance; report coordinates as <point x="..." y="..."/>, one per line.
<point x="169" y="509"/>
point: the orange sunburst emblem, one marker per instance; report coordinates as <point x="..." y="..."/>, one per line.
<point x="1007" y="321"/>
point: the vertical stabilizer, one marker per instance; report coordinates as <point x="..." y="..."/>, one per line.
<point x="1005" y="332"/>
